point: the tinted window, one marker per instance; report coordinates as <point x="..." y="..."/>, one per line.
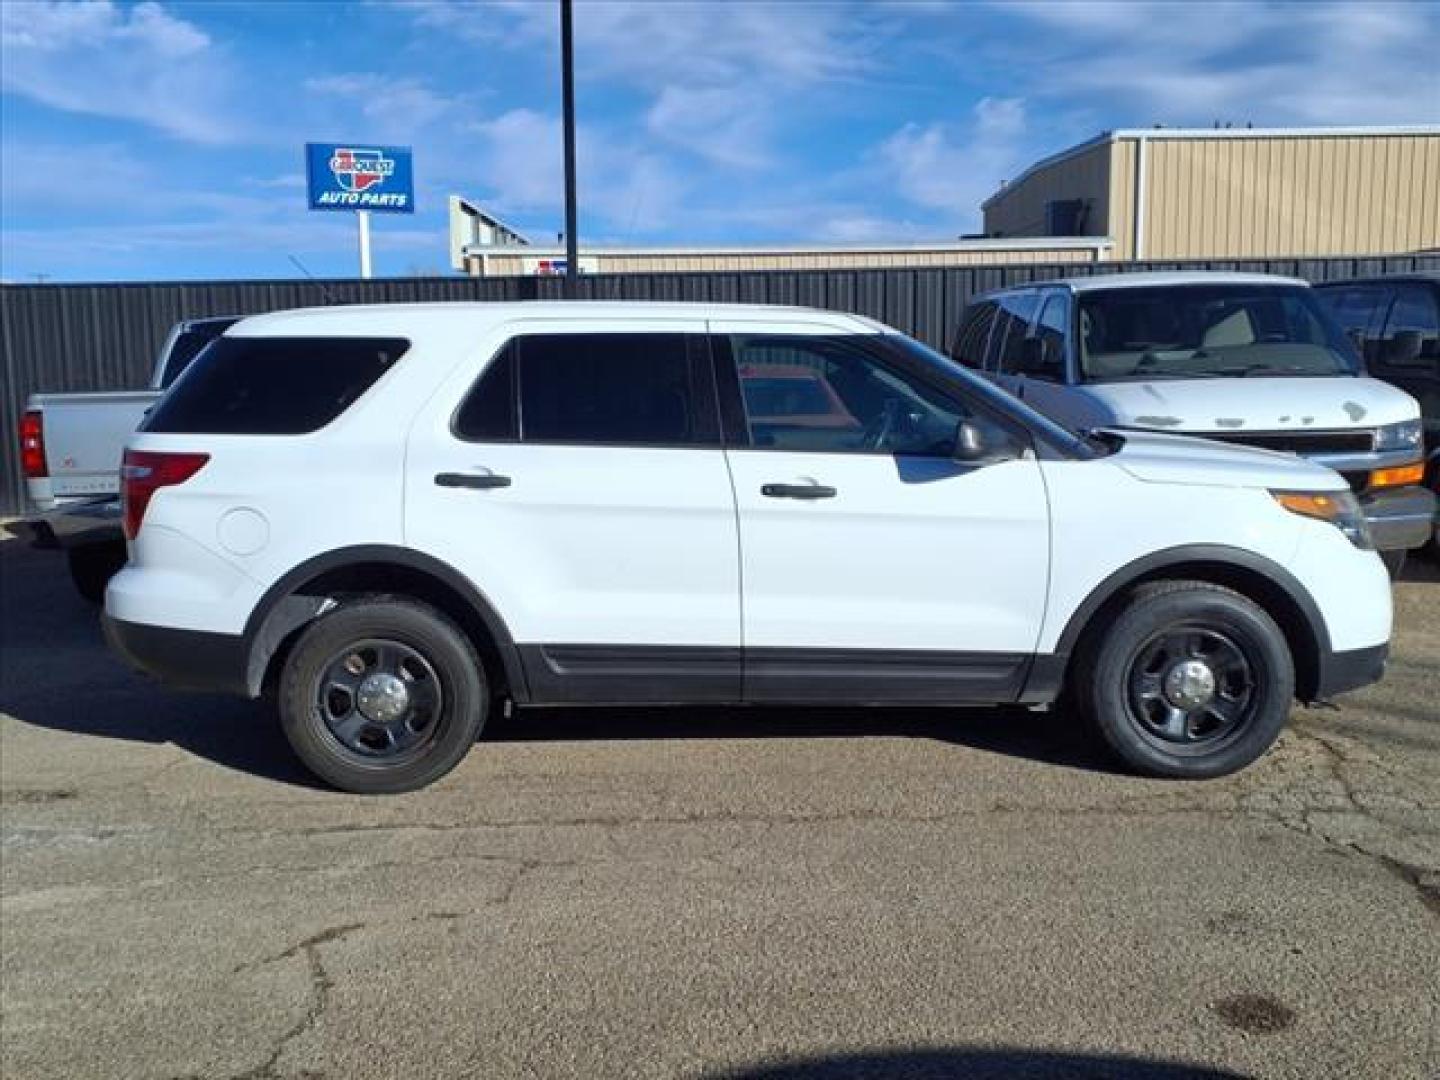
<point x="974" y="333"/>
<point x="488" y="413"/>
<point x="1412" y="336"/>
<point x="1359" y="310"/>
<point x="1021" y="309"/>
<point x="272" y="385"/>
<point x="617" y="389"/>
<point x="839" y="394"/>
<point x="187" y="346"/>
<point x="1195" y="331"/>
<point x="1049" y="335"/>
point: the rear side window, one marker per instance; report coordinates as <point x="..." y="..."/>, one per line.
<point x="595" y="389"/>
<point x="272" y="385"/>
<point x="1020" y="307"/>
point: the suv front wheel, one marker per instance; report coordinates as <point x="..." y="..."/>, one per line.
<point x="382" y="695"/>
<point x="1190" y="680"/>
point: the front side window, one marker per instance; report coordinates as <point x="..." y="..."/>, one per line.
<point x="838" y="394"/>
<point x="272" y="385"/>
<point x="1412" y="332"/>
<point x="1208" y="331"/>
<point x="621" y="389"/>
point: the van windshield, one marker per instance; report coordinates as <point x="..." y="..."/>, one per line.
<point x="1209" y="331"/>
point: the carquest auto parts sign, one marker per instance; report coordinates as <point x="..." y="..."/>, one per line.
<point x="360" y="176"/>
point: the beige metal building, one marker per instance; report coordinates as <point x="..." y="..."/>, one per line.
<point x="1175" y="193"/>
<point x="482" y="245"/>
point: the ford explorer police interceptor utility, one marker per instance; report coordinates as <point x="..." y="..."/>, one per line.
<point x="394" y="517"/>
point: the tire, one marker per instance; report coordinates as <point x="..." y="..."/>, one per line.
<point x="92" y="567"/>
<point x="1394" y="562"/>
<point x="1124" y="680"/>
<point x="333" y="699"/>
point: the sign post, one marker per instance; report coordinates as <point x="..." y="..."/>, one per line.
<point x="360" y="178"/>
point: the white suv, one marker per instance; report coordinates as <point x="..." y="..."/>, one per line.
<point x="393" y="517"/>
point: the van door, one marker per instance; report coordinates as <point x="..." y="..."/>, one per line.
<point x="875" y="567"/>
<point x="579" y="483"/>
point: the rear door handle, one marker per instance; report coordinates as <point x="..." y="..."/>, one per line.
<point x="797" y="491"/>
<point x="471" y="480"/>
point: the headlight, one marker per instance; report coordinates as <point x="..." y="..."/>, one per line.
<point x="1339" y="508"/>
<point x="1406" y="435"/>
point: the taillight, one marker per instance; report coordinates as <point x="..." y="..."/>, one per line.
<point x="32" y="446"/>
<point x="144" y="472"/>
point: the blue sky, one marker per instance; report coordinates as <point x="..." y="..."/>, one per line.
<point x="164" y="140"/>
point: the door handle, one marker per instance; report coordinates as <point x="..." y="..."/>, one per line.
<point x="797" y="491"/>
<point x="471" y="480"/>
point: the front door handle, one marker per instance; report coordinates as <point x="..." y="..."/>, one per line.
<point x="471" y="480"/>
<point x="797" y="491"/>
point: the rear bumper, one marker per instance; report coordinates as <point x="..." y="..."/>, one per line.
<point x="77" y="524"/>
<point x="1350" y="670"/>
<point x="184" y="659"/>
<point x="1401" y="518"/>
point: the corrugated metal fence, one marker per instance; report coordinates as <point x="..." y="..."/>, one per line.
<point x="104" y="337"/>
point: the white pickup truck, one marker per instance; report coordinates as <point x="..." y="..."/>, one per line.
<point x="70" y="448"/>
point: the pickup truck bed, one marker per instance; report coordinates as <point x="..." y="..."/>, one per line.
<point x="83" y="436"/>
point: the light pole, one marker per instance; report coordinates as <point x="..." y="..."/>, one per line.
<point x="567" y="81"/>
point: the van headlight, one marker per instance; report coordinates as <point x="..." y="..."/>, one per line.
<point x="1406" y="435"/>
<point x="1339" y="508"/>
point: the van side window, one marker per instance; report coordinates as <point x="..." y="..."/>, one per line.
<point x="1048" y="351"/>
<point x="1020" y="309"/>
<point x="974" y="334"/>
<point x="623" y="389"/>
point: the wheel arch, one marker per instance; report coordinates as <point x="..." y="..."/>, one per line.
<point x="306" y="592"/>
<point x="1253" y="576"/>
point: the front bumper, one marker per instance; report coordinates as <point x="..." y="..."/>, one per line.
<point x="1399" y="518"/>
<point x="1350" y="670"/>
<point x="183" y="659"/>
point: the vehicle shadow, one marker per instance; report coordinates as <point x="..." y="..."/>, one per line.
<point x="56" y="672"/>
<point x="965" y="1063"/>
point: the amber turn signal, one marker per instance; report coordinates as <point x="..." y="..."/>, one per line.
<point x="1398" y="476"/>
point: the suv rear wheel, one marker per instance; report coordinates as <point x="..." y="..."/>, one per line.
<point x="1190" y="680"/>
<point x="382" y="695"/>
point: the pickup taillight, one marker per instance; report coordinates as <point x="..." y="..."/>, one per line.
<point x="144" y="472"/>
<point x="32" y="446"/>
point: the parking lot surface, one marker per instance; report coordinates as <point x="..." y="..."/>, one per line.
<point x="705" y="893"/>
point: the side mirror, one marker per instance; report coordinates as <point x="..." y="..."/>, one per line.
<point x="1404" y="347"/>
<point x="977" y="444"/>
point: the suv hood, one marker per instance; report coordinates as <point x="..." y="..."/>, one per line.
<point x="1234" y="405"/>
<point x="1179" y="459"/>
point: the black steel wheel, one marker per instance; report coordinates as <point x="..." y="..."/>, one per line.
<point x="382" y="695"/>
<point x="1188" y="679"/>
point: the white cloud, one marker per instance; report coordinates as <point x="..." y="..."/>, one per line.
<point x="940" y="167"/>
<point x="726" y="125"/>
<point x="139" y="63"/>
<point x="395" y="106"/>
<point x="1268" y="63"/>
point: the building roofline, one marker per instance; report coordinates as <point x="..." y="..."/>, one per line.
<point x="1105" y="137"/>
<point x="1018" y="243"/>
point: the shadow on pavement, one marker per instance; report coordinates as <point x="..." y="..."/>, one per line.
<point x="56" y="672"/>
<point x="960" y="1063"/>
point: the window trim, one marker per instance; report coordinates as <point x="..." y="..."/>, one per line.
<point x="696" y="350"/>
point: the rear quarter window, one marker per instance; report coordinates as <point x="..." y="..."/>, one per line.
<point x="272" y="385"/>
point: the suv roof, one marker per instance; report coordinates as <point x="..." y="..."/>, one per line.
<point x="1153" y="279"/>
<point x="420" y="319"/>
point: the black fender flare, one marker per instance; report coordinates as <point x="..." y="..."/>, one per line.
<point x="1048" y="671"/>
<point x="281" y="610"/>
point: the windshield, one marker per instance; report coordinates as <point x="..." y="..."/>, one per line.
<point x="1208" y="331"/>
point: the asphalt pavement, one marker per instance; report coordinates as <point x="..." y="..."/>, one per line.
<point x="716" y="893"/>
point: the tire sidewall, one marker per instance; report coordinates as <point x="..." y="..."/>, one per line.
<point x="1253" y="631"/>
<point x="444" y="646"/>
